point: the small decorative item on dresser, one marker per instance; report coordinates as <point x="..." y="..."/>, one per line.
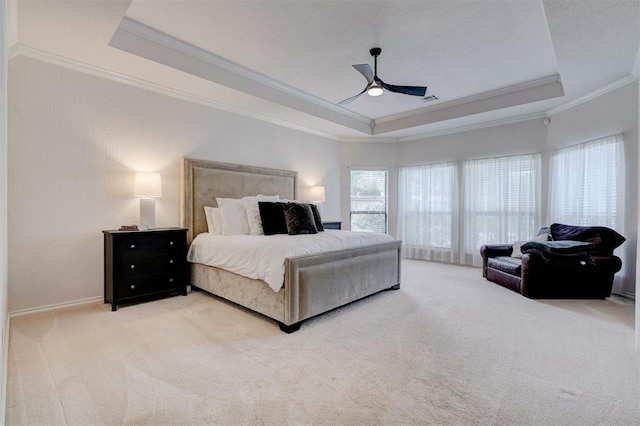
<point x="144" y="264"/>
<point x="332" y="225"/>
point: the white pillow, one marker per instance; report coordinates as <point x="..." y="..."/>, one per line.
<point x="234" y="216"/>
<point x="517" y="245"/>
<point x="253" y="211"/>
<point x="214" y="220"/>
<point x="517" y="251"/>
<point x="543" y="237"/>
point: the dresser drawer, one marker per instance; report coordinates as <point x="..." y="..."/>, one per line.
<point x="146" y="284"/>
<point x="135" y="248"/>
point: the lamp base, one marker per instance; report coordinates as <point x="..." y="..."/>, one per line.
<point x="147" y="213"/>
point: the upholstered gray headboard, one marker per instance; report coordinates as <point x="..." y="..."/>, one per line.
<point x="204" y="181"/>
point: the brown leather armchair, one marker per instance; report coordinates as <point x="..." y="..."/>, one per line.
<point x="585" y="273"/>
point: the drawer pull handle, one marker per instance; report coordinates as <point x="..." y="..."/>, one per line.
<point x="133" y="266"/>
<point x="133" y="286"/>
<point x="133" y="246"/>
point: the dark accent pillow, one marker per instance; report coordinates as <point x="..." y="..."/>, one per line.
<point x="316" y="217"/>
<point x="272" y="217"/>
<point x="604" y="239"/>
<point x="299" y="219"/>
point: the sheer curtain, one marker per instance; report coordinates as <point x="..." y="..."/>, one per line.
<point x="587" y="184"/>
<point x="426" y="211"/>
<point x="587" y="188"/>
<point x="501" y="202"/>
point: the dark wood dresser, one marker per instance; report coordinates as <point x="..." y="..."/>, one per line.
<point x="141" y="265"/>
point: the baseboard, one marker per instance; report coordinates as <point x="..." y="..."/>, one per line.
<point x="627" y="295"/>
<point x="55" y="307"/>
<point x="5" y="369"/>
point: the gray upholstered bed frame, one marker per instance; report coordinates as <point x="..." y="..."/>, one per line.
<point x="314" y="284"/>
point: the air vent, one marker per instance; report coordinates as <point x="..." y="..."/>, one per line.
<point x="430" y="98"/>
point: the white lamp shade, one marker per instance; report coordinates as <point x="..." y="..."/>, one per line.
<point x="317" y="194"/>
<point x="147" y="185"/>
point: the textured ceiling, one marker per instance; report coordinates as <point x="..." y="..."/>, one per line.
<point x="291" y="60"/>
<point x="456" y="49"/>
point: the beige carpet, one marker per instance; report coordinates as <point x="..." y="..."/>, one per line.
<point x="448" y="348"/>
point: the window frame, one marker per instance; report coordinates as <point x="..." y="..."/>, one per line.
<point x="384" y="213"/>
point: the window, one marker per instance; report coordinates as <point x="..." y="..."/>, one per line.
<point x="501" y="201"/>
<point x="587" y="183"/>
<point x="425" y="212"/>
<point x="498" y="201"/>
<point x="369" y="200"/>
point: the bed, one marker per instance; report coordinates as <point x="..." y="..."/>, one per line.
<point x="313" y="284"/>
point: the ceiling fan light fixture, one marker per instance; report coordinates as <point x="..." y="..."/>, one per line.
<point x="374" y="89"/>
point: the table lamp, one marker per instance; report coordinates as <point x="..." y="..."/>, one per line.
<point x="148" y="187"/>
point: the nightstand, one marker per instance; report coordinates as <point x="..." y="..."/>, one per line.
<point x="144" y="264"/>
<point x="332" y="225"/>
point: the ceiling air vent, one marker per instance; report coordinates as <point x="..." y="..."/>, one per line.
<point x="430" y="98"/>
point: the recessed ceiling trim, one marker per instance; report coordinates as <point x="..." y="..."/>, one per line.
<point x="369" y="140"/>
<point x="537" y="90"/>
<point x="474" y="98"/>
<point x="147" y="42"/>
<point x="635" y="69"/>
<point x="52" y="58"/>
<point x="589" y="96"/>
<point x="476" y="126"/>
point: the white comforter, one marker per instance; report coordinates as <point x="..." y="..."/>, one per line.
<point x="262" y="256"/>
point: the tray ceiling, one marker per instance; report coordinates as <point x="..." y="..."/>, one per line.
<point x="291" y="61"/>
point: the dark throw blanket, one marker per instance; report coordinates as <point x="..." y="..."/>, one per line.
<point x="561" y="253"/>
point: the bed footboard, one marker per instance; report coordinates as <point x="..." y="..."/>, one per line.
<point x="319" y="283"/>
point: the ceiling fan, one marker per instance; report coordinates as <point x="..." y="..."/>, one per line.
<point x="375" y="85"/>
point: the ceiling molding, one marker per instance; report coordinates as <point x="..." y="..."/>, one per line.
<point x="369" y="139"/>
<point x="532" y="91"/>
<point x="635" y="69"/>
<point x="590" y="96"/>
<point x="30" y="52"/>
<point x="477" y="126"/>
<point x="474" y="98"/>
<point x="12" y="52"/>
<point x="147" y="42"/>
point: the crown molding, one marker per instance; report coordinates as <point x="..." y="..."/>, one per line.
<point x="532" y="91"/>
<point x="477" y="126"/>
<point x="532" y="84"/>
<point x="635" y="69"/>
<point x="369" y="139"/>
<point x="595" y="94"/>
<point x="12" y="52"/>
<point x="51" y="58"/>
<point x="147" y="42"/>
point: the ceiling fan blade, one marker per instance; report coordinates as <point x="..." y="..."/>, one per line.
<point x="353" y="98"/>
<point x="406" y="90"/>
<point x="365" y="70"/>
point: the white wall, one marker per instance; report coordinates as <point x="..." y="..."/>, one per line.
<point x="3" y="204"/>
<point x="613" y="112"/>
<point x="74" y="143"/>
<point x="638" y="251"/>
